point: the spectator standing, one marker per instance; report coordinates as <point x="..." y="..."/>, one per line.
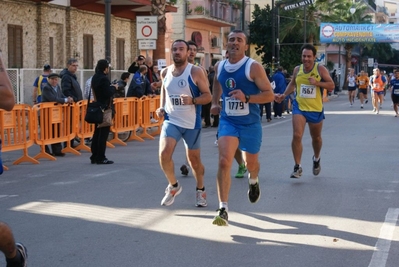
<point x="122" y="83"/>
<point x="103" y="92"/>
<point x="52" y="93"/>
<point x="39" y="84"/>
<point x="69" y="83"/>
<point x="136" y="64"/>
<point x="206" y="109"/>
<point x="88" y="90"/>
<point x="140" y="85"/>
<point x="267" y="106"/>
<point x="280" y="85"/>
<point x="156" y="77"/>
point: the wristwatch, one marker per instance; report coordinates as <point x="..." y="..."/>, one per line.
<point x="247" y="97"/>
<point x="194" y="101"/>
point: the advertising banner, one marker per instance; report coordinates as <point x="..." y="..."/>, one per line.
<point x="359" y="33"/>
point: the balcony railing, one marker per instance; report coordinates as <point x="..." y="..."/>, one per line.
<point x="224" y="11"/>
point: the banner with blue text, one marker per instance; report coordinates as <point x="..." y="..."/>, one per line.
<point x="359" y="33"/>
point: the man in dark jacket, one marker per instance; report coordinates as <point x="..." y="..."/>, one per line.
<point x="279" y="80"/>
<point x="140" y="85"/>
<point x="103" y="90"/>
<point x="69" y="83"/>
<point x="52" y="93"/>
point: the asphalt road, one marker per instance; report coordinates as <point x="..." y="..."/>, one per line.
<point x="70" y="213"/>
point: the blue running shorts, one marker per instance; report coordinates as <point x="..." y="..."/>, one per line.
<point x="191" y="137"/>
<point x="249" y="135"/>
<point x="310" y="116"/>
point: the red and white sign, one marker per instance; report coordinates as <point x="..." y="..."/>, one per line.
<point x="146" y="27"/>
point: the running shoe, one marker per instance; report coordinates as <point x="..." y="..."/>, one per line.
<point x="316" y="167"/>
<point x="254" y="192"/>
<point x="24" y="254"/>
<point x="241" y="171"/>
<point x="201" y="198"/>
<point x="366" y="101"/>
<point x="222" y="219"/>
<point x="184" y="169"/>
<point x="297" y="172"/>
<point x="170" y="193"/>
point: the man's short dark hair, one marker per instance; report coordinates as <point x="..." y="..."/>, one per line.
<point x="143" y="68"/>
<point x="71" y="61"/>
<point x="309" y="47"/>
<point x="181" y="41"/>
<point x="240" y="31"/>
<point x="125" y="75"/>
<point x="102" y="64"/>
<point x="47" y="67"/>
<point x="192" y="43"/>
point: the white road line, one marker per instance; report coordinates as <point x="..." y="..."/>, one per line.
<point x="381" y="249"/>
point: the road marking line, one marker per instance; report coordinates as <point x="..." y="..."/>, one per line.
<point x="381" y="249"/>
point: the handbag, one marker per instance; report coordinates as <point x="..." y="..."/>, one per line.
<point x="94" y="112"/>
<point x="107" y="118"/>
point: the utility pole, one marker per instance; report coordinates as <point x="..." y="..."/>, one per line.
<point x="243" y="15"/>
<point x="273" y="34"/>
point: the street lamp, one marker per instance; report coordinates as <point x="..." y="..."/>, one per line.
<point x="352" y="10"/>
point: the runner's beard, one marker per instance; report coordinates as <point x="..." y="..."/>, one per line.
<point x="179" y="61"/>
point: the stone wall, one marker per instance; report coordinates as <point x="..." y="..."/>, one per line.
<point x="66" y="26"/>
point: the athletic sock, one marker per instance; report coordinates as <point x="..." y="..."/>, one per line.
<point x="16" y="261"/>
<point x="223" y="205"/>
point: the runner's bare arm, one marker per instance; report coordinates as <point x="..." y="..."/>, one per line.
<point x="216" y="88"/>
<point x="160" y="111"/>
<point x="203" y="85"/>
<point x="327" y="82"/>
<point x="7" y="100"/>
<point x="258" y="75"/>
<point x="292" y="85"/>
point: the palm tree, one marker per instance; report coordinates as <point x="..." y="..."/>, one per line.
<point x="158" y="8"/>
<point x="358" y="17"/>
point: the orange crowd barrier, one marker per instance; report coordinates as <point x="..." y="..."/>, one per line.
<point x="17" y="132"/>
<point x="325" y="95"/>
<point x="147" y="110"/>
<point x="126" y="119"/>
<point x="84" y="129"/>
<point x="49" y="123"/>
<point x="56" y="123"/>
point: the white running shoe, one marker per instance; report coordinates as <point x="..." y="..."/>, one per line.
<point x="170" y="193"/>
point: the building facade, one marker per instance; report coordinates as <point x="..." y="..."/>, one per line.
<point x="36" y="32"/>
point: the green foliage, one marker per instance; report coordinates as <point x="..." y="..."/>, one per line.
<point x="261" y="32"/>
<point x="381" y="51"/>
<point x="292" y="32"/>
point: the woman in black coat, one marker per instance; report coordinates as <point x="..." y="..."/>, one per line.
<point x="103" y="91"/>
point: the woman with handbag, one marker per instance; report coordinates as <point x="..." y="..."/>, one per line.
<point x="103" y="91"/>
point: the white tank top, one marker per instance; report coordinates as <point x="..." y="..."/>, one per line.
<point x="178" y="114"/>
